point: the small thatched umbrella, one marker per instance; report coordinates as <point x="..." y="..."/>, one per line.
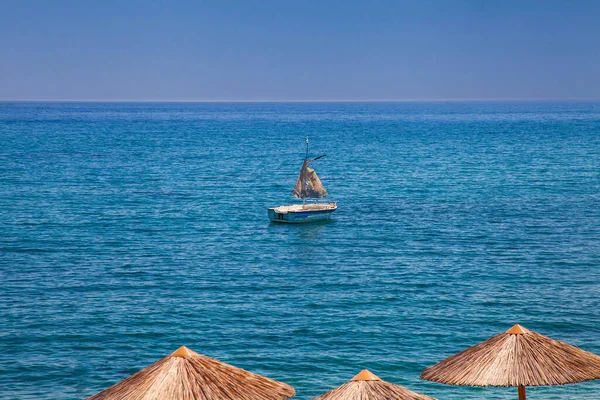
<point x="191" y="376"/>
<point x="517" y="358"/>
<point x="367" y="386"/>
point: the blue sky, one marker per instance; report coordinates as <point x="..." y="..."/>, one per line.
<point x="299" y="50"/>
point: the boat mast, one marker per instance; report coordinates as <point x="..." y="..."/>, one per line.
<point x="304" y="181"/>
<point x="307" y="147"/>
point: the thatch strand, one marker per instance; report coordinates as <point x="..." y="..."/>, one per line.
<point x="375" y="389"/>
<point x="191" y="376"/>
<point x="525" y="358"/>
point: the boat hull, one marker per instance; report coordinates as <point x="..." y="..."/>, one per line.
<point x="299" y="214"/>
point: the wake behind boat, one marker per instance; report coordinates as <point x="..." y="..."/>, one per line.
<point x="308" y="186"/>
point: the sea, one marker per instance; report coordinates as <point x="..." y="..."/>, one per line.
<point x="130" y="229"/>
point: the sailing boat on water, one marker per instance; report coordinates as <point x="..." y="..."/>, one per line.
<point x="308" y="186"/>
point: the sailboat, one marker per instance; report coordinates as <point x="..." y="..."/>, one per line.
<point x="308" y="186"/>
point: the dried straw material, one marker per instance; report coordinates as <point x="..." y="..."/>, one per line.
<point x="186" y="375"/>
<point x="367" y="386"/>
<point x="517" y="357"/>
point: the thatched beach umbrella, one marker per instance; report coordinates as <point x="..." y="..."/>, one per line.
<point x="191" y="376"/>
<point x="367" y="386"/>
<point x="517" y="358"/>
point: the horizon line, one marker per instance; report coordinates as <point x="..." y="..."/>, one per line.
<point x="451" y="100"/>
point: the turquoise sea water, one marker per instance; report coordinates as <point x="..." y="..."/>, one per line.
<point x="128" y="230"/>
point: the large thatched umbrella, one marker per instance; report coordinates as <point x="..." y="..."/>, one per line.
<point x="367" y="386"/>
<point x="191" y="376"/>
<point x="517" y="357"/>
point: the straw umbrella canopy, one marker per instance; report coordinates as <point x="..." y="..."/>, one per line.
<point x="517" y="358"/>
<point x="367" y="386"/>
<point x="187" y="375"/>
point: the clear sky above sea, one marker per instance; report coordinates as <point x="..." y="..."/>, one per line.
<point x="299" y="50"/>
